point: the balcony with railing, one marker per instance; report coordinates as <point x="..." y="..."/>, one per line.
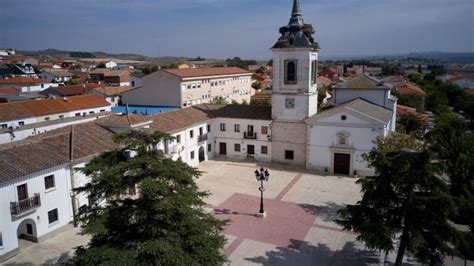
<point x="22" y="206"/>
<point x="250" y="135"/>
<point x="202" y="138"/>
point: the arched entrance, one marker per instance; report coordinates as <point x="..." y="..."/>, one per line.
<point x="27" y="230"/>
<point x="202" y="154"/>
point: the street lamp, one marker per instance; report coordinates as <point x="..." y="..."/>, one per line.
<point x="261" y="175"/>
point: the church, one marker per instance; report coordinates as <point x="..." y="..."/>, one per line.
<point x="292" y="131"/>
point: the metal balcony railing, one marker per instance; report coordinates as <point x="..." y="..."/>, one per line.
<point x="250" y="135"/>
<point x="22" y="206"/>
<point x="202" y="138"/>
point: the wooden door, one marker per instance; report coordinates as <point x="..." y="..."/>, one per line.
<point x="342" y="163"/>
<point x="22" y="191"/>
<point x="250" y="149"/>
<point x="222" y="148"/>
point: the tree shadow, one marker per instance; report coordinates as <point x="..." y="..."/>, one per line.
<point x="230" y="212"/>
<point x="326" y="212"/>
<point x="304" y="253"/>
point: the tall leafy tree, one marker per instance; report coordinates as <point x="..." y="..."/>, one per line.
<point x="162" y="224"/>
<point x="404" y="198"/>
<point x="455" y="149"/>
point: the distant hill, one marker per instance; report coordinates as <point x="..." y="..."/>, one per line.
<point x="445" y="57"/>
<point x="98" y="54"/>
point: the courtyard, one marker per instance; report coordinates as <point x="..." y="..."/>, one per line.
<point x="299" y="228"/>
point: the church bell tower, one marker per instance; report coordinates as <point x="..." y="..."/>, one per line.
<point x="295" y="70"/>
<point x="295" y="94"/>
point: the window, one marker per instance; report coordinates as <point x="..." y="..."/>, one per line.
<point x="53" y="216"/>
<point x="264" y="150"/>
<point x="1" y="240"/>
<point x="236" y="128"/>
<point x="21" y="123"/>
<point x="78" y="114"/>
<point x="49" y="182"/>
<point x="192" y="155"/>
<point x="236" y="147"/>
<point x="178" y="139"/>
<point x="209" y="147"/>
<point x="91" y="112"/>
<point x="4" y="126"/>
<point x="208" y="128"/>
<point x="314" y="71"/>
<point x="46" y="119"/>
<point x="264" y="130"/>
<point x="222" y="127"/>
<point x="290" y="72"/>
<point x="191" y="133"/>
<point x="289" y="155"/>
<point x="201" y="131"/>
<point x="61" y="116"/>
<point x="102" y="110"/>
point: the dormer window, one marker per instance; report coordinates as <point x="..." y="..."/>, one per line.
<point x="290" y="72"/>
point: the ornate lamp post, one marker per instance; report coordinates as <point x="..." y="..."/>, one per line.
<point x="261" y="175"/>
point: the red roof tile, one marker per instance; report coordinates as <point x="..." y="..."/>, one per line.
<point x="33" y="108"/>
<point x="206" y="71"/>
<point x="23" y="81"/>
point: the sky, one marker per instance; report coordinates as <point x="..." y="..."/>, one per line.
<point x="228" y="28"/>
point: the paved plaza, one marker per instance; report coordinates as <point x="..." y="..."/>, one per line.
<point x="299" y="228"/>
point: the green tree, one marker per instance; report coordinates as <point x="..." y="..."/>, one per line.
<point x="101" y="65"/>
<point x="164" y="224"/>
<point x="261" y="102"/>
<point x="411" y="100"/>
<point x="404" y="198"/>
<point x="412" y="125"/>
<point x="218" y="100"/>
<point x="391" y="69"/>
<point x="467" y="106"/>
<point x="256" y="85"/>
<point x="270" y="63"/>
<point x="455" y="149"/>
<point x="71" y="82"/>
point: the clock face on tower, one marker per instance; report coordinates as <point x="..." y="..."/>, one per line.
<point x="290" y="103"/>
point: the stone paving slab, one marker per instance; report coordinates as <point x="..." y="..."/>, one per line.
<point x="53" y="251"/>
<point x="284" y="221"/>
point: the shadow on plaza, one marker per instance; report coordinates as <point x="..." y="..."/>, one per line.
<point x="326" y="212"/>
<point x="230" y="212"/>
<point x="304" y="253"/>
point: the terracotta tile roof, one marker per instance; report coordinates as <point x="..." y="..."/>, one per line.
<point x="363" y="82"/>
<point x="469" y="90"/>
<point x="238" y="111"/>
<point x="33" y="108"/>
<point x="405" y="110"/>
<point x="179" y="119"/>
<point x="410" y="88"/>
<point x="23" y="81"/>
<point x="116" y="120"/>
<point x="206" y="71"/>
<point x="71" y="90"/>
<point x="52" y="149"/>
<point x="8" y="90"/>
<point x="60" y="73"/>
<point x="111" y="91"/>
